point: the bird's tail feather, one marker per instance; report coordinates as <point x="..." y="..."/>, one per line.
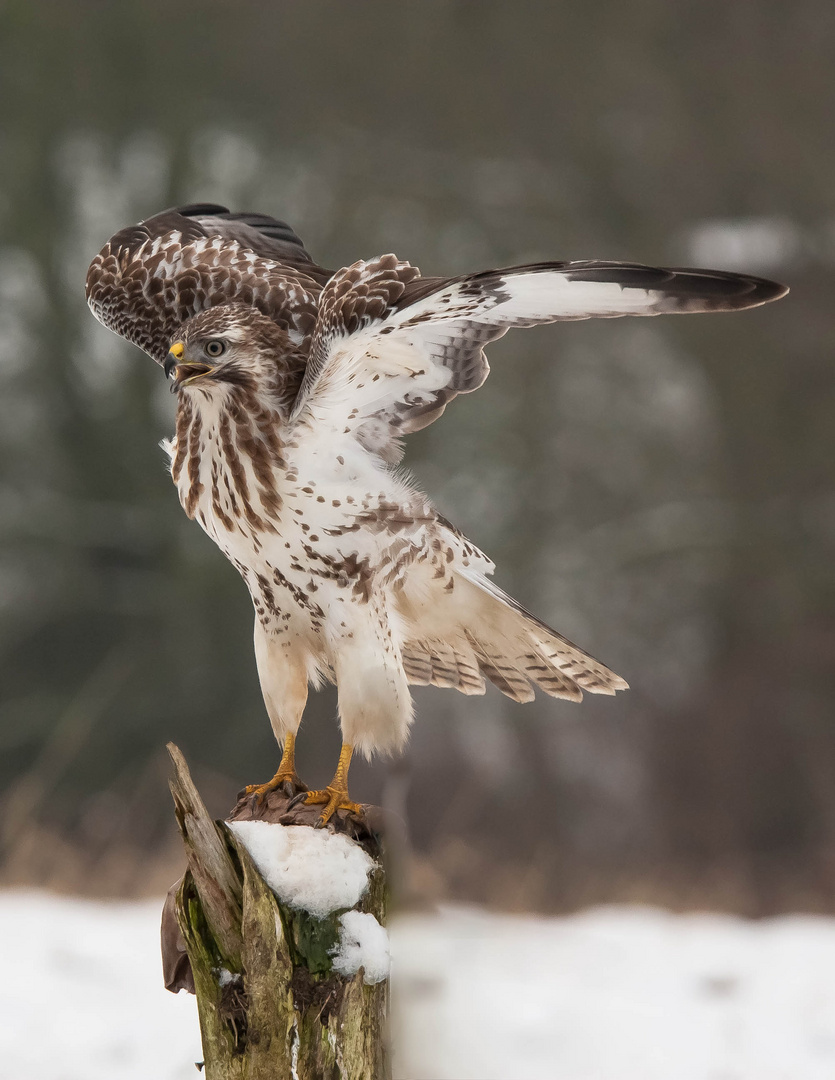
<point x="497" y="639"/>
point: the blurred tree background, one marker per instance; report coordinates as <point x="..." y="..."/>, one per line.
<point x="662" y="491"/>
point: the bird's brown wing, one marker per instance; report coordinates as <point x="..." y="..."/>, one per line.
<point x="149" y="278"/>
<point x="391" y="349"/>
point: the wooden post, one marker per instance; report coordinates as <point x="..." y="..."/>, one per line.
<point x="270" y="1004"/>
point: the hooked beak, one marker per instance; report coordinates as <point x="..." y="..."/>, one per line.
<point x="183" y="373"/>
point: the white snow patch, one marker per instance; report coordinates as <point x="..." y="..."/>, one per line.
<point x="82" y="996"/>
<point x="312" y="869"/>
<point x="226" y="977"/>
<point x="363" y="943"/>
<point x="618" y="993"/>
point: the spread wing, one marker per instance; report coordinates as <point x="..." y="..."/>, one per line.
<point x="391" y="349"/>
<point x="149" y="278"/>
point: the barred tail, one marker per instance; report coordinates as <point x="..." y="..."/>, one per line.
<point x="497" y="639"/>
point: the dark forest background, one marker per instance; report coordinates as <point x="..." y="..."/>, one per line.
<point x="662" y="491"/>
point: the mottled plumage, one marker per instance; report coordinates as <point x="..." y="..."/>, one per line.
<point x="150" y="278"/>
<point x="296" y="386"/>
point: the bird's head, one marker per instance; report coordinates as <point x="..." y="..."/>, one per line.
<point x="228" y="345"/>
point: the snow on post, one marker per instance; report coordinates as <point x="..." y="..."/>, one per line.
<point x="279" y="930"/>
<point x="311" y="869"/>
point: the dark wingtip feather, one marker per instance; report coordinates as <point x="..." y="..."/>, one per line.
<point x="197" y="213"/>
<point x="262" y="233"/>
<point x="717" y="290"/>
<point x="199" y="210"/>
<point x="266" y="224"/>
<point x="773" y="290"/>
<point x="740" y="290"/>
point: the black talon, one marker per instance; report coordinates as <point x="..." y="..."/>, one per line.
<point x="295" y="801"/>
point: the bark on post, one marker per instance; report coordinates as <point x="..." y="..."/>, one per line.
<point x="271" y="1006"/>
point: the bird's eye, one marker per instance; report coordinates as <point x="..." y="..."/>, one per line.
<point x="215" y="348"/>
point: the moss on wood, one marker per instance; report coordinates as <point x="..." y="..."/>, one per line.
<point x="270" y="1005"/>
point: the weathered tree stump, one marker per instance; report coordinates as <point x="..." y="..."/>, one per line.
<point x="271" y="1003"/>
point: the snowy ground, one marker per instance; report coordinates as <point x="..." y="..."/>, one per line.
<point x="610" y="994"/>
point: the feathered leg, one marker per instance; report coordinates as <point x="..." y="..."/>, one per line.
<point x="375" y="707"/>
<point x="284" y="686"/>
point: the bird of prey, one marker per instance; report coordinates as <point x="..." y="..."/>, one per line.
<point x="296" y="386"/>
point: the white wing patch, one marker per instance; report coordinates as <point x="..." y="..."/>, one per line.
<point x="383" y="365"/>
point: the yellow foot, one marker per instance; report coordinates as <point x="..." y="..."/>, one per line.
<point x="287" y="783"/>
<point x="335" y="795"/>
<point x="285" y="780"/>
<point x="334" y="799"/>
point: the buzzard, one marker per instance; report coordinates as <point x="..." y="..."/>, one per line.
<point x="296" y="386"/>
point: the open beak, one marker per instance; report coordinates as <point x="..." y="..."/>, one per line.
<point x="180" y="373"/>
<point x="189" y="373"/>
